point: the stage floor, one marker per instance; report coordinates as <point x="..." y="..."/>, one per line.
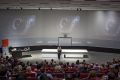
<point x="96" y="57"/>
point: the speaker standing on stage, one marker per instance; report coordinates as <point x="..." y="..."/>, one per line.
<point x="59" y="52"/>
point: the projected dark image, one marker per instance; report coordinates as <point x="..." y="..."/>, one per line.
<point x="113" y="24"/>
<point x="67" y="24"/>
<point x="22" y="24"/>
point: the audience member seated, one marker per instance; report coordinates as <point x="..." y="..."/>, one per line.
<point x="92" y="76"/>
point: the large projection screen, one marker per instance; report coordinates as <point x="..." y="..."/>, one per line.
<point x="65" y="41"/>
<point x="43" y="27"/>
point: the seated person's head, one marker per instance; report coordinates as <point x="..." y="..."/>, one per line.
<point x="92" y="74"/>
<point x="111" y="76"/>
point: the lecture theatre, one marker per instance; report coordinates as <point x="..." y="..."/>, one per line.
<point x="59" y="39"/>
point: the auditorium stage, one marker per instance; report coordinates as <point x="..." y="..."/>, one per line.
<point x="96" y="57"/>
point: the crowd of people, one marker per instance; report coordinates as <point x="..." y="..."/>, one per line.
<point x="14" y="69"/>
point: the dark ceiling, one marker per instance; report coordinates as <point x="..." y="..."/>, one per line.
<point x="61" y="4"/>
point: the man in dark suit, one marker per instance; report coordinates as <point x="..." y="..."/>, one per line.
<point x="59" y="52"/>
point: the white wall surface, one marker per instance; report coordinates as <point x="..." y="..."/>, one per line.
<point x="43" y="27"/>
